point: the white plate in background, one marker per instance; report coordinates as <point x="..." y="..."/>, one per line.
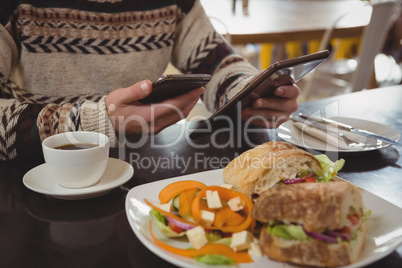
<point x="292" y="134"/>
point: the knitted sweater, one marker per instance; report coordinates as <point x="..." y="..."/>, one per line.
<point x="59" y="59"/>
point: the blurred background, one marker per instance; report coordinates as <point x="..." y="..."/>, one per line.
<point x="374" y="54"/>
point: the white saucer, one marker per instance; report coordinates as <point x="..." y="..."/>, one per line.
<point x="117" y="173"/>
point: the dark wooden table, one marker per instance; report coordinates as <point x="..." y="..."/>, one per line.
<point x="41" y="231"/>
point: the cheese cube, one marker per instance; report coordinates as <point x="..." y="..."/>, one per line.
<point x="227" y="186"/>
<point x="241" y="240"/>
<point x="236" y="204"/>
<point x="207" y="216"/>
<point x="165" y="207"/>
<point x="213" y="199"/>
<point x="197" y="237"/>
<point x="254" y="249"/>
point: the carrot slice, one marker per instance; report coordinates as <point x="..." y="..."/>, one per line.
<point x="221" y="249"/>
<point x="252" y="225"/>
<point x="227" y="217"/>
<point x="175" y="188"/>
<point x="225" y="194"/>
<point x="185" y="200"/>
<point x="179" y="187"/>
<point x="168" y="214"/>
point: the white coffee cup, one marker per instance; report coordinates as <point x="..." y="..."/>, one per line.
<point x="76" y="168"/>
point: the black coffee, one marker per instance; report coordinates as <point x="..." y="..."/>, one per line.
<point x="76" y="146"/>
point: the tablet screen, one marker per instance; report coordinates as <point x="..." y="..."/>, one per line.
<point x="286" y="72"/>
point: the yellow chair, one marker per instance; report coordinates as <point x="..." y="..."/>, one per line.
<point x="346" y="48"/>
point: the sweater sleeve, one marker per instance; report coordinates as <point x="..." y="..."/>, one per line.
<point x="25" y="120"/>
<point x="18" y="132"/>
<point x="84" y="115"/>
<point x="25" y="125"/>
<point x="199" y="48"/>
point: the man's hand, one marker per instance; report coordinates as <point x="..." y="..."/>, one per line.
<point x="272" y="111"/>
<point x="130" y="116"/>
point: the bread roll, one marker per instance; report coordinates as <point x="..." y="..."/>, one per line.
<point x="260" y="168"/>
<point x="318" y="206"/>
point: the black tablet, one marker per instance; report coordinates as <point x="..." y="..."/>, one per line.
<point x="285" y="72"/>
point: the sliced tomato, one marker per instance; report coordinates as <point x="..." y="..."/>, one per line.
<point x="175" y="228"/>
<point x="354" y="219"/>
<point x="227" y="234"/>
<point x="309" y="179"/>
<point x="346" y="230"/>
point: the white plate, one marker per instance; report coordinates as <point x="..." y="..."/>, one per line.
<point x="117" y="173"/>
<point x="290" y="133"/>
<point x="384" y="236"/>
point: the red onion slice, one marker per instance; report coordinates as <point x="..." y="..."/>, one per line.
<point x="291" y="181"/>
<point x="297" y="180"/>
<point x="343" y="236"/>
<point x="309" y="175"/>
<point x="180" y="224"/>
<point x="322" y="237"/>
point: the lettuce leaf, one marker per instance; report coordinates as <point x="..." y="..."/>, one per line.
<point x="290" y="232"/>
<point x="214" y="259"/>
<point x="366" y="215"/>
<point x="213" y="237"/>
<point x="161" y="224"/>
<point x="226" y="240"/>
<point x="303" y="173"/>
<point x="329" y="169"/>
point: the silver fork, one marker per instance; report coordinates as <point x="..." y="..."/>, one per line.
<point x="352" y="143"/>
<point x="349" y="142"/>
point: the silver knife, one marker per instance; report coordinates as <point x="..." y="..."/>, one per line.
<point x="350" y="128"/>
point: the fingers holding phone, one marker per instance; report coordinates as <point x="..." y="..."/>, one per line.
<point x="170" y="86"/>
<point x="272" y="111"/>
<point x="267" y="89"/>
<point x="132" y="117"/>
<point x="173" y="110"/>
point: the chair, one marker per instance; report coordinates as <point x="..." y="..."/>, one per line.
<point x="359" y="72"/>
<point x="244" y="5"/>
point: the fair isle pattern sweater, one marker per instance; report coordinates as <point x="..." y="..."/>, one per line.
<point x="60" y="58"/>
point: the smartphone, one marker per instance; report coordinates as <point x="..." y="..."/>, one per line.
<point x="285" y="72"/>
<point x="172" y="85"/>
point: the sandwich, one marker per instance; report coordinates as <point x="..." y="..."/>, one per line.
<point x="274" y="163"/>
<point x="314" y="224"/>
